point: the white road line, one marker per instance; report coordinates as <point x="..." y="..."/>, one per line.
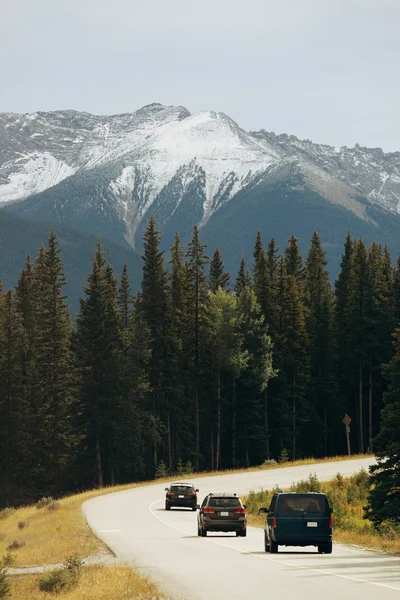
<point x="282" y="562"/>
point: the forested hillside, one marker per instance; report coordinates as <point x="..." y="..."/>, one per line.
<point x="195" y="367"/>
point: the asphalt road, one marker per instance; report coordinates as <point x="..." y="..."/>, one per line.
<point x="164" y="545"/>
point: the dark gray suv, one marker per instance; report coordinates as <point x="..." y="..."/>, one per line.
<point x="222" y="512"/>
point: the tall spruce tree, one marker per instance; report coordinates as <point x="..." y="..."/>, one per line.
<point x="319" y="303"/>
<point x="243" y="279"/>
<point x="218" y="277"/>
<point x="154" y="305"/>
<point x="294" y="261"/>
<point x="272" y="259"/>
<point x="197" y="260"/>
<point x="263" y="285"/>
<point x="54" y="383"/>
<point x="124" y="299"/>
<point x="384" y="498"/>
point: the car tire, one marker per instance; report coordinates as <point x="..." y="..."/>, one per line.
<point x="204" y="532"/>
<point x="325" y="548"/>
<point x="266" y="545"/>
<point x="238" y="533"/>
<point x="273" y="547"/>
<point x="167" y="507"/>
<point x="243" y="533"/>
<point x="194" y="508"/>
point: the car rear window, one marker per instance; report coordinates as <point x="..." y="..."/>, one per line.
<point x="299" y="503"/>
<point x="181" y="488"/>
<point x="224" y="503"/>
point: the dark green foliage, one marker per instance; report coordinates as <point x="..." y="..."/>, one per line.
<point x="124" y="299"/>
<point x="5" y="588"/>
<point x="218" y="277"/>
<point x="384" y="498"/>
<point x="243" y="279"/>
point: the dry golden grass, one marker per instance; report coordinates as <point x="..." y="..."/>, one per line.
<point x="51" y="536"/>
<point x="95" y="583"/>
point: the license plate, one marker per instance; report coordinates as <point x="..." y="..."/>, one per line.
<point x="224" y="514"/>
<point x="312" y="524"/>
<point x="181" y="496"/>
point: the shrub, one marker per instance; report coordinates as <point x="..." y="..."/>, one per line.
<point x="44" y="502"/>
<point x="269" y="462"/>
<point x="54" y="505"/>
<point x="16" y="545"/>
<point x="180" y="468"/>
<point x="57" y="581"/>
<point x="311" y="484"/>
<point x="162" y="470"/>
<point x="7" y="512"/>
<point x="284" y="456"/>
<point x="188" y="468"/>
<point x="22" y="524"/>
<point x="8" y="560"/>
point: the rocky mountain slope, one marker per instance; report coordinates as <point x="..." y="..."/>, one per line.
<point x="106" y="174"/>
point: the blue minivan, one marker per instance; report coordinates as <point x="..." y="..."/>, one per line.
<point x="297" y="519"/>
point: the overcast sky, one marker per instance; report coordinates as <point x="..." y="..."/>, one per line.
<point x="327" y="70"/>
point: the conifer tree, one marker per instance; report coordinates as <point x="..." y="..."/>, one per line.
<point x="218" y="277"/>
<point x="198" y="294"/>
<point x="319" y="302"/>
<point x="384" y="498"/>
<point x="272" y="260"/>
<point x="54" y="366"/>
<point x="294" y="262"/>
<point x="15" y="446"/>
<point x="124" y="299"/>
<point x="263" y="285"/>
<point x="154" y="304"/>
<point x="243" y="279"/>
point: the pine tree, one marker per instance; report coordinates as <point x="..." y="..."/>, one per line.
<point x="384" y="498"/>
<point x="54" y="382"/>
<point x="243" y="279"/>
<point x="154" y="304"/>
<point x="218" y="277"/>
<point x="198" y="294"/>
<point x="251" y="415"/>
<point x="263" y="285"/>
<point x="319" y="302"/>
<point x="294" y="261"/>
<point x="15" y="434"/>
<point x="97" y="348"/>
<point x="272" y="259"/>
<point x="124" y="299"/>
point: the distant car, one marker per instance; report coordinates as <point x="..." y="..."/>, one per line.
<point x="182" y="495"/>
<point x="222" y="512"/>
<point x="295" y="519"/>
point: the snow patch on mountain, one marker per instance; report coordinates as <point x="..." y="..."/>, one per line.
<point x="30" y="174"/>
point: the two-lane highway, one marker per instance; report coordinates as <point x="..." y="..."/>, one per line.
<point x="165" y="546"/>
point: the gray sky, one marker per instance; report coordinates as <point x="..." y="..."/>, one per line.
<point x="327" y="70"/>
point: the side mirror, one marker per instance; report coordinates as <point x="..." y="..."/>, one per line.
<point x="331" y="510"/>
<point x="244" y="506"/>
<point x="167" y="489"/>
<point x="197" y="506"/>
<point x="197" y="490"/>
<point x="263" y="510"/>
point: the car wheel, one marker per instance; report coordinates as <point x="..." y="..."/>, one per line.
<point x="194" y="508"/>
<point x="204" y="532"/>
<point x="167" y="507"/>
<point x="325" y="548"/>
<point x="238" y="533"/>
<point x="243" y="533"/>
<point x="273" y="547"/>
<point x="266" y="545"/>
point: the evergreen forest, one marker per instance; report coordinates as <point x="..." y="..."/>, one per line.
<point x="196" y="369"/>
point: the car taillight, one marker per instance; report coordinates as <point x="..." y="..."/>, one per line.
<point x="240" y="511"/>
<point x="275" y="523"/>
<point x="330" y="523"/>
<point x="192" y="495"/>
<point x="169" y="494"/>
<point x="208" y="511"/>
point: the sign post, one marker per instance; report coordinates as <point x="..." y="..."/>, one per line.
<point x="347" y="421"/>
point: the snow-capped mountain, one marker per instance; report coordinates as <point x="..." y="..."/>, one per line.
<point x="75" y="167"/>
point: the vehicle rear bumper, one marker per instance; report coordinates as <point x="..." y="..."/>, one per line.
<point x="225" y="526"/>
<point x="286" y="539"/>
<point x="183" y="503"/>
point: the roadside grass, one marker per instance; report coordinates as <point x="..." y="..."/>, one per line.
<point x="51" y="536"/>
<point x="347" y="497"/>
<point x="95" y="583"/>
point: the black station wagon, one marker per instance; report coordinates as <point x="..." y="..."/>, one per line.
<point x="298" y="520"/>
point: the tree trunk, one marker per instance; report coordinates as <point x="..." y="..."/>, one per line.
<point x="360" y="413"/>
<point x="294" y="416"/>
<point x="266" y="423"/>
<point x="99" y="467"/>
<point x="246" y="446"/>
<point x="370" y="441"/>
<point x="234" y="409"/>
<point x="169" y="441"/>
<point x="196" y="427"/>
<point x="218" y="449"/>
<point x="212" y="448"/>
